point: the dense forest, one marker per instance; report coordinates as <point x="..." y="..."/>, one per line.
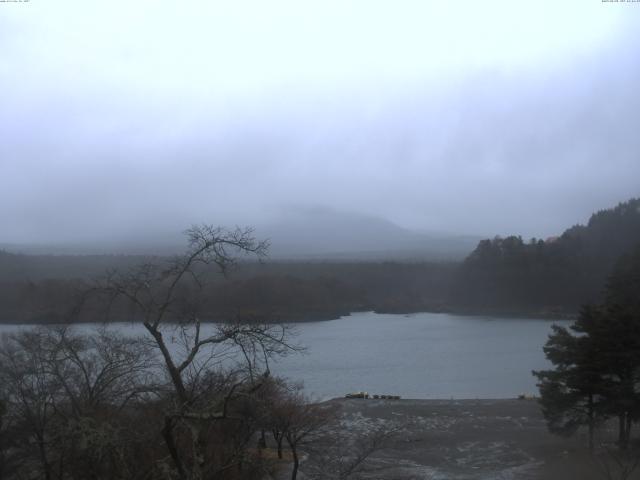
<point x="502" y="275"/>
<point x="272" y="291"/>
<point x="555" y="276"/>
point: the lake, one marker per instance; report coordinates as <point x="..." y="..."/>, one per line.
<point x="422" y="355"/>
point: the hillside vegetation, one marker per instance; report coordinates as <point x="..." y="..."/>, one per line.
<point x="502" y="275"/>
<point x="553" y="276"/>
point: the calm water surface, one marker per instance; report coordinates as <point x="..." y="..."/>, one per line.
<point x="423" y="355"/>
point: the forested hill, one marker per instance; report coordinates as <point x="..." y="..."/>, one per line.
<point x="553" y="276"/>
<point x="503" y="275"/>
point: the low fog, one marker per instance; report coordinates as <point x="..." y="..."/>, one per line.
<point x="462" y="120"/>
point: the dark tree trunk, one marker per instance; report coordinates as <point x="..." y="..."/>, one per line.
<point x="173" y="371"/>
<point x="591" y="422"/>
<point x="621" y="425"/>
<point x="167" y="434"/>
<point x="296" y="462"/>
<point x="46" y="467"/>
<point x="278" y="437"/>
<point x="624" y="430"/>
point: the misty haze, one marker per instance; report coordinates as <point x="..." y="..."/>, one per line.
<point x="319" y="240"/>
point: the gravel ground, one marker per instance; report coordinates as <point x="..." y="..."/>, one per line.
<point x="465" y="439"/>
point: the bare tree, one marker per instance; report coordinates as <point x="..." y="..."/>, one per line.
<point x="313" y="429"/>
<point x="269" y="411"/>
<point x="208" y="372"/>
<point x="298" y="420"/>
<point x="341" y="456"/>
<point x="64" y="393"/>
<point x="104" y="368"/>
<point x="30" y="394"/>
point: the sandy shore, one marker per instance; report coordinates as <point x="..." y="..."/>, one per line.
<point x="467" y="439"/>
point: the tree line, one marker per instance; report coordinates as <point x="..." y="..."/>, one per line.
<point x="551" y="277"/>
<point x="272" y="291"/>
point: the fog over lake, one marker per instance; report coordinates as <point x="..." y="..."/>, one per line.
<point x="422" y="355"/>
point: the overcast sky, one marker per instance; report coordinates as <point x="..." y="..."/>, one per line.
<point x="480" y="117"/>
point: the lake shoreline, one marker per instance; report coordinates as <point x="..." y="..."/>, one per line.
<point x="327" y="317"/>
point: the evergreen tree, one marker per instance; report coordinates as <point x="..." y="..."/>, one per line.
<point x="553" y="276"/>
<point x="596" y="361"/>
<point x="571" y="394"/>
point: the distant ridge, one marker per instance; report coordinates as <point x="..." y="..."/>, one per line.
<point x="309" y="234"/>
<point x="329" y="234"/>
